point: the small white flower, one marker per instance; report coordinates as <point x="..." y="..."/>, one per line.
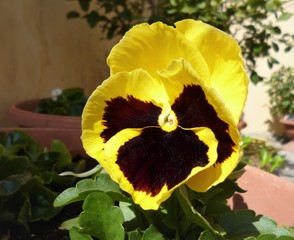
<point x="55" y="93"/>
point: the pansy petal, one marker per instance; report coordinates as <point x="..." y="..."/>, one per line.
<point x="149" y="163"/>
<point x="153" y="47"/>
<point x="178" y="76"/>
<point x="223" y="57"/>
<point x="103" y="116"/>
<point x="198" y="105"/>
<point x="111" y="149"/>
<point x="216" y="174"/>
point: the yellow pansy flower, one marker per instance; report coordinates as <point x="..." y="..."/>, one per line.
<point x="168" y="113"/>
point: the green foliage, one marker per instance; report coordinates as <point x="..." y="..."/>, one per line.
<point x="29" y="181"/>
<point x="70" y="102"/>
<point x="109" y="213"/>
<point x="258" y="153"/>
<point x="249" y="17"/>
<point x="281" y="91"/>
<point x="241" y="224"/>
<point x="100" y="218"/>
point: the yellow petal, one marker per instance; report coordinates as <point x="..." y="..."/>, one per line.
<point x="216" y="174"/>
<point x="137" y="84"/>
<point x="179" y="74"/>
<point x="153" y="47"/>
<point x="223" y="57"/>
<point x="111" y="149"/>
<point x="222" y="124"/>
<point x="144" y="198"/>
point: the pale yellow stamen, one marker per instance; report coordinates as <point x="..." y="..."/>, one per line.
<point x="168" y="121"/>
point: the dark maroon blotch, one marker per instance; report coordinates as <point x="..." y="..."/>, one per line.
<point x="155" y="158"/>
<point x="193" y="110"/>
<point x="121" y="113"/>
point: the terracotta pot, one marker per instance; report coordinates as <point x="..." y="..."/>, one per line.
<point x="23" y="115"/>
<point x="46" y="127"/>
<point x="289" y="126"/>
<point x="266" y="194"/>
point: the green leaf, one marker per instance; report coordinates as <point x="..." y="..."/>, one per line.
<point x="2" y="148"/>
<point x="270" y="5"/>
<point x="41" y="200"/>
<point x="19" y="140"/>
<point x="229" y="187"/>
<point x="13" y="165"/>
<point x="288" y="49"/>
<point x="92" y="19"/>
<point x="285" y="16"/>
<point x="78" y="193"/>
<point x="271" y="61"/>
<point x="239" y="224"/>
<point x="189" y="211"/>
<point x="101" y="218"/>
<point x="83" y="188"/>
<point x="152" y="234"/>
<point x="266" y="225"/>
<point x="135" y="235"/>
<point x="12" y="184"/>
<point x="216" y="208"/>
<point x="244" y="223"/>
<point x="72" y="15"/>
<point x="84" y="4"/>
<point x="207" y="235"/>
<point x="255" y="78"/>
<point x="46" y="160"/>
<point x="276" y="30"/>
<point x="188" y="9"/>
<point x="275" y="47"/>
<point x="286" y="237"/>
<point x="70" y="223"/>
<point x="267" y="237"/>
<point x="24" y="212"/>
<point x="76" y="235"/>
<point x="290" y="230"/>
<point x="106" y="184"/>
<point x="64" y="157"/>
<point x="128" y="213"/>
<point x="221" y="16"/>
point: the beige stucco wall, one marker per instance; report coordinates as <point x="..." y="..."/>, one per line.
<point x="256" y="110"/>
<point x="41" y="50"/>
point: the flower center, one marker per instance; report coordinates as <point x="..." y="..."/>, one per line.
<point x="168" y="121"/>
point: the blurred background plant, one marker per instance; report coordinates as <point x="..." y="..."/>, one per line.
<point x="259" y="153"/>
<point x="66" y="102"/>
<point x="29" y="183"/>
<point x="252" y="22"/>
<point x="281" y="91"/>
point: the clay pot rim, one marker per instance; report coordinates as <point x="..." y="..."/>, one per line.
<point x="22" y="114"/>
<point x="22" y="108"/>
<point x="286" y="121"/>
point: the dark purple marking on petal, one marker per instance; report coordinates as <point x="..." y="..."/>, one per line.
<point x="130" y="112"/>
<point x="155" y="158"/>
<point x="193" y="110"/>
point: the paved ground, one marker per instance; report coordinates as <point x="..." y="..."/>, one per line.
<point x="287" y="171"/>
